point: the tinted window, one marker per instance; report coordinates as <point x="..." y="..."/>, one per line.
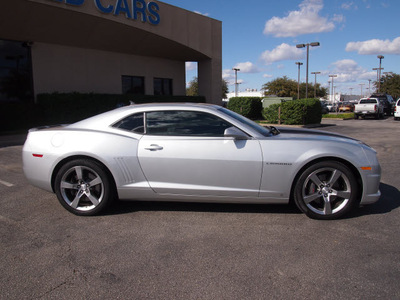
<point x="162" y="86"/>
<point x="367" y="101"/>
<point x="185" y="123"/>
<point x="133" y="85"/>
<point x="15" y="71"/>
<point x="132" y="123"/>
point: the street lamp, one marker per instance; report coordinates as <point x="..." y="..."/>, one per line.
<point x="236" y="84"/>
<point x="369" y="86"/>
<point x="333" y="96"/>
<point x="314" y="44"/>
<point x="315" y="83"/>
<point x="380" y="68"/>
<point x="361" y="84"/>
<point x="298" y="80"/>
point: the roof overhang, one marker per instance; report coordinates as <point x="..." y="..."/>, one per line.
<point x="176" y="37"/>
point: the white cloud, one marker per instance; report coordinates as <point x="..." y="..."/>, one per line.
<point x="349" y="6"/>
<point x="190" y="66"/>
<point x="227" y="75"/>
<point x="375" y="46"/>
<point x="282" y="52"/>
<point x="347" y="71"/>
<point x="203" y="14"/>
<point x="267" y="76"/>
<point x="247" y="67"/>
<point x="304" y="21"/>
<point x="200" y="13"/>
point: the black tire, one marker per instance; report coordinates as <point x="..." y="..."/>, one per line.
<point x="84" y="188"/>
<point x="356" y="116"/>
<point x="326" y="190"/>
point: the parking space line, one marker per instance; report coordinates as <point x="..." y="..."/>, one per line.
<point x="6" y="183"/>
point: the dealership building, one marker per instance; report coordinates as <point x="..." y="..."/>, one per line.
<point x="105" y="46"/>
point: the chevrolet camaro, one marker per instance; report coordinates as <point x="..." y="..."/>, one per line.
<point x="198" y="153"/>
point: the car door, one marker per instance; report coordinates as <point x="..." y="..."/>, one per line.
<point x="186" y="153"/>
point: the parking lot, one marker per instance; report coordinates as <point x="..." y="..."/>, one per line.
<point x="202" y="251"/>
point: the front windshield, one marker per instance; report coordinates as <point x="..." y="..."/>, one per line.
<point x="265" y="131"/>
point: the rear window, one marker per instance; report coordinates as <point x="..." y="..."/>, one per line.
<point x="366" y="101"/>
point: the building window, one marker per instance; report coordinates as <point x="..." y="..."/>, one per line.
<point x="163" y="86"/>
<point x="15" y="71"/>
<point x="133" y="85"/>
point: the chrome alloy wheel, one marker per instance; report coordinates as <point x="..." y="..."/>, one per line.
<point x="326" y="191"/>
<point x="82" y="188"/>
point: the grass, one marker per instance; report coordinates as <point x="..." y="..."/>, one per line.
<point x="339" y="116"/>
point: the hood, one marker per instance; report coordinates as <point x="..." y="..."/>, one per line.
<point x="285" y="131"/>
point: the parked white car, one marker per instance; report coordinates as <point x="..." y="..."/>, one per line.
<point x="397" y="110"/>
<point x="199" y="153"/>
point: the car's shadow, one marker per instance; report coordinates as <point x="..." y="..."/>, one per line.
<point x="123" y="207"/>
<point x="389" y="201"/>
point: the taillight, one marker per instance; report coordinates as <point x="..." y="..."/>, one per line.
<point x="375" y="108"/>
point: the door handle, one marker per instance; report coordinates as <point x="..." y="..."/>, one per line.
<point x="154" y="147"/>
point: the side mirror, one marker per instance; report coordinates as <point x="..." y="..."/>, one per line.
<point x="235" y="133"/>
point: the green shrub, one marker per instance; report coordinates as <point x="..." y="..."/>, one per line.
<point x="297" y="112"/>
<point x="250" y="107"/>
<point x="271" y="113"/>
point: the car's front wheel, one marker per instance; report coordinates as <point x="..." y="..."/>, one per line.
<point x="326" y="190"/>
<point x="83" y="187"/>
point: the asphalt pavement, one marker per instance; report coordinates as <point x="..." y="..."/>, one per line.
<point x="153" y="250"/>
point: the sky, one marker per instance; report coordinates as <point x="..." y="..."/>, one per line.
<point x="260" y="36"/>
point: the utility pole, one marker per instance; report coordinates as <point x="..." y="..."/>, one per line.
<point x="236" y="83"/>
<point x="314" y="44"/>
<point x="298" y="79"/>
<point x="315" y="83"/>
<point x="333" y="96"/>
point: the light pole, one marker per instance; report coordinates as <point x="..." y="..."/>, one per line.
<point x="351" y="91"/>
<point x="236" y="84"/>
<point x="369" y="86"/>
<point x="315" y="83"/>
<point x="361" y="84"/>
<point x="314" y="44"/>
<point x="333" y="96"/>
<point x="298" y="79"/>
<point x="380" y="68"/>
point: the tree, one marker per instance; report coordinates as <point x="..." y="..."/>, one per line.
<point x="285" y="87"/>
<point x="281" y="87"/>
<point x="225" y="89"/>
<point x="390" y="84"/>
<point x="193" y="88"/>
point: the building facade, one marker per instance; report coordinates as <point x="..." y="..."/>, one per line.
<point x="105" y="46"/>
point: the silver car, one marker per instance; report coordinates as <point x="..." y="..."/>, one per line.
<point x="198" y="153"/>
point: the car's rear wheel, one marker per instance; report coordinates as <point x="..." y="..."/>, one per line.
<point x="326" y="190"/>
<point x="83" y="187"/>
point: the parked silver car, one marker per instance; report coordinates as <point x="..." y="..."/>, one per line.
<point x="202" y="153"/>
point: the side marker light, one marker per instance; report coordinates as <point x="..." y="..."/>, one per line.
<point x="366" y="168"/>
<point x="37" y="155"/>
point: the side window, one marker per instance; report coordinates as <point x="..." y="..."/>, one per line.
<point x="185" y="123"/>
<point x="132" y="123"/>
